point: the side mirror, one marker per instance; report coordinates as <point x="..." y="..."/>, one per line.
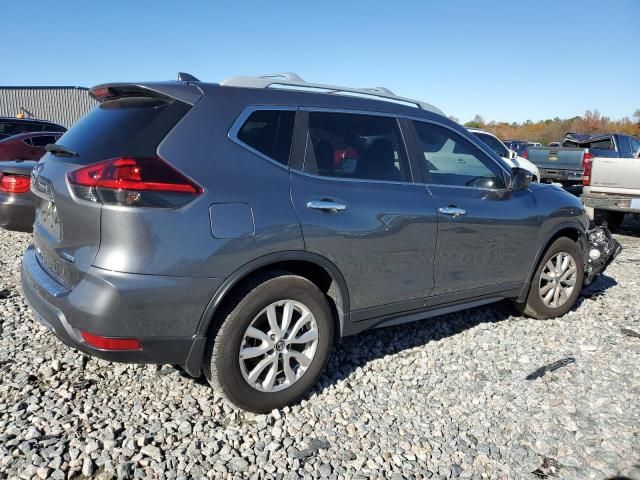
<point x="513" y="155"/>
<point x="521" y="178"/>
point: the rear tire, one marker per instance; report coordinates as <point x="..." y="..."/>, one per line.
<point x="549" y="294"/>
<point x="613" y="219"/>
<point x="248" y="341"/>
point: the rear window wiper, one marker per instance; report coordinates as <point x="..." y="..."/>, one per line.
<point x="60" y="150"/>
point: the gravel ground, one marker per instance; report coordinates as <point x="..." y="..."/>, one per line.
<point x="447" y="397"/>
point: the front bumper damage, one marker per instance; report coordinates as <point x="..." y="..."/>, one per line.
<point x="601" y="250"/>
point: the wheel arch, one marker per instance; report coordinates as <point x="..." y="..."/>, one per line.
<point x="573" y="230"/>
<point x="312" y="266"/>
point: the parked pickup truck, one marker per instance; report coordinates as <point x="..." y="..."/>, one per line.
<point x="612" y="185"/>
<point x="566" y="164"/>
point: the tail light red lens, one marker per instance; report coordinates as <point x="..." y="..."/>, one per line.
<point x="587" y="162"/>
<point x="14" y="183"/>
<point x="525" y="154"/>
<point x="108" y="343"/>
<point x="149" y="182"/>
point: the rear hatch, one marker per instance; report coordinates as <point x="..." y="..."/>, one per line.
<point x="616" y="175"/>
<point x="130" y="121"/>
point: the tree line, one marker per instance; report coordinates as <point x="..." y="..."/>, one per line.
<point x="553" y="130"/>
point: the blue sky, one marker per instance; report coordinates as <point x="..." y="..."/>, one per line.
<point x="506" y="60"/>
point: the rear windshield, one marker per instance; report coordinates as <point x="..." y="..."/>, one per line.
<point x="600" y="144"/>
<point x="603" y="144"/>
<point x="125" y="126"/>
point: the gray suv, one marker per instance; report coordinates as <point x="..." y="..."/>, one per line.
<point x="239" y="229"/>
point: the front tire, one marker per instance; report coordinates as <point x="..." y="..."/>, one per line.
<point x="557" y="281"/>
<point x="273" y="343"/>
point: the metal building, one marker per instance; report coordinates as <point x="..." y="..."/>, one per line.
<point x="63" y="105"/>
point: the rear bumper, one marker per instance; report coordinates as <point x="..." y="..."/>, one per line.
<point x="563" y="176"/>
<point x="117" y="305"/>
<point x="17" y="211"/>
<point x="607" y="201"/>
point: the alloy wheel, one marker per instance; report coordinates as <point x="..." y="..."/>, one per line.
<point x="278" y="346"/>
<point x="558" y="280"/>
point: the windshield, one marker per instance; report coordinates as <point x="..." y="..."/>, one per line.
<point x="495" y="144"/>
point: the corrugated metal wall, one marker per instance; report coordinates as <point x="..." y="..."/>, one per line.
<point x="63" y="105"/>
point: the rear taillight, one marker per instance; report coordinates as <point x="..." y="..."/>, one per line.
<point x="586" y="166"/>
<point x="140" y="182"/>
<point x="14" y="183"/>
<point x="525" y="154"/>
<point x="109" y="343"/>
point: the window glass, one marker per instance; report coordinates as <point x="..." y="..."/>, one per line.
<point x="604" y="144"/>
<point x="43" y="140"/>
<point x="54" y="128"/>
<point x="270" y="133"/>
<point x="450" y="159"/>
<point x="493" y="143"/>
<point x="9" y="128"/>
<point x="519" y="147"/>
<point x="635" y="146"/>
<point x="355" y="146"/>
<point x="625" y="145"/>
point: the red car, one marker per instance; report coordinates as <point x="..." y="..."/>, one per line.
<point x="27" y="146"/>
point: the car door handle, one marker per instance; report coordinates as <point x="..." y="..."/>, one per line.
<point x="452" y="211"/>
<point x="329" y="206"/>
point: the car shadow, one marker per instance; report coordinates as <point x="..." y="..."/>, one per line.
<point x="359" y="350"/>
<point x="630" y="227"/>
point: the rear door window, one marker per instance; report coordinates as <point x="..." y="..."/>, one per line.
<point x="270" y="133"/>
<point x="354" y="146"/>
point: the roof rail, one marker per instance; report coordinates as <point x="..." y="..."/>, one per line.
<point x="292" y="80"/>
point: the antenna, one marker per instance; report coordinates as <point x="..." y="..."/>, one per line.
<point x="186" y="77"/>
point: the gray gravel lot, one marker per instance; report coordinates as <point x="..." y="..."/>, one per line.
<point x="447" y="397"/>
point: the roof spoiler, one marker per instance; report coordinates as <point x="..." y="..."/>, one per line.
<point x="183" y="91"/>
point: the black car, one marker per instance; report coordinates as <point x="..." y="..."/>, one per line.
<point x="10" y="126"/>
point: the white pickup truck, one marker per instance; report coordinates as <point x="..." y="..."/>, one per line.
<point x="612" y="187"/>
